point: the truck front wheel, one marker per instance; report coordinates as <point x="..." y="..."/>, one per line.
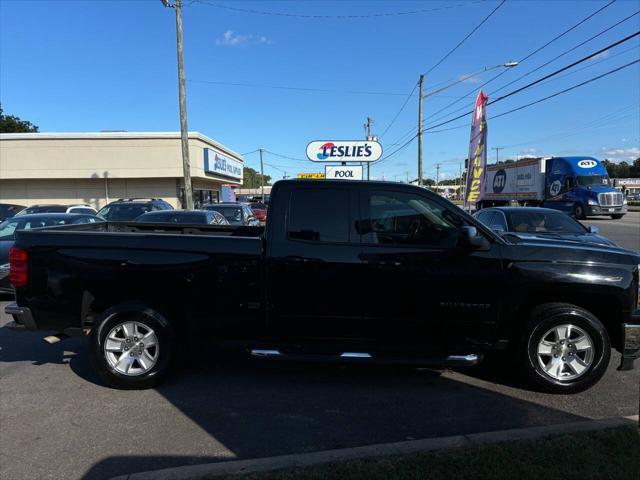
<point x="616" y="217"/>
<point x="130" y="347"/>
<point x="578" y="212"/>
<point x="566" y="348"/>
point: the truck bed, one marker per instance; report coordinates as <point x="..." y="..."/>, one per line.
<point x="191" y="267"/>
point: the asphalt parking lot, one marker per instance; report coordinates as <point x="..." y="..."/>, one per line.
<point x="57" y="421"/>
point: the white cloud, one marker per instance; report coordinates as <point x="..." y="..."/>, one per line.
<point x="604" y="54"/>
<point x="232" y="39"/>
<point x="621" y="154"/>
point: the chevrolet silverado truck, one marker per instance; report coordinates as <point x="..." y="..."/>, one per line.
<point x="343" y="270"/>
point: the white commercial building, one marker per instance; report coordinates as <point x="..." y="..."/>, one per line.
<point x="96" y="168"/>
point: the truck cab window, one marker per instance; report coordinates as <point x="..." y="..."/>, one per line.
<point x="319" y="214"/>
<point x="398" y="218"/>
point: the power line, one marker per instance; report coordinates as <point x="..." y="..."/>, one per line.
<point x="466" y="37"/>
<point x="302" y="89"/>
<point x="438" y="63"/>
<point x="405" y="145"/>
<point x="590" y="65"/>
<point x="287" y="157"/>
<point x="404" y="104"/>
<point x="526" y="57"/>
<point x="568" y="89"/>
<point x="310" y="89"/>
<point x="548" y="97"/>
<point x="602" y="32"/>
<point x="332" y="17"/>
<point x="535" y="82"/>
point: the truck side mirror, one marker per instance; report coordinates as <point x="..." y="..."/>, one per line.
<point x="473" y="239"/>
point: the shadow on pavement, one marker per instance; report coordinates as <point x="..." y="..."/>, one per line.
<point x="258" y="409"/>
<point x="244" y="408"/>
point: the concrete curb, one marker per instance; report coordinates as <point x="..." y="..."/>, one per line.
<point x="193" y="472"/>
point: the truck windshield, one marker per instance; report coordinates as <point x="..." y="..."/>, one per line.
<point x="591" y="180"/>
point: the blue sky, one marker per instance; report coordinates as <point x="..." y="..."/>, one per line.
<point x="90" y="65"/>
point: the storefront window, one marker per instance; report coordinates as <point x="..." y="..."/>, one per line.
<point x="200" y="197"/>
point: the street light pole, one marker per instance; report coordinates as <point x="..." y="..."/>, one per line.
<point x="184" y="132"/>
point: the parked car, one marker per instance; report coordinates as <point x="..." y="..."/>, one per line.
<point x="8" y="210"/>
<point x="9" y="227"/>
<point x="54" y="208"/>
<point x="209" y="217"/>
<point x="235" y="213"/>
<point x="259" y="211"/>
<point x="441" y="289"/>
<point x="539" y="223"/>
<point x="126" y="209"/>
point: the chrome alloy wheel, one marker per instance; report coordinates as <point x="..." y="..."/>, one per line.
<point x="131" y="348"/>
<point x="565" y="352"/>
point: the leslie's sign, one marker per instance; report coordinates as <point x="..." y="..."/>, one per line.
<point x="344" y="151"/>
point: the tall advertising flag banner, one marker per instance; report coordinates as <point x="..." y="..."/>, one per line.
<point x="476" y="171"/>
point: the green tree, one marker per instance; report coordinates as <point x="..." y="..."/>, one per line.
<point x="623" y="170"/>
<point x="634" y="170"/>
<point x="611" y="168"/>
<point x="251" y="178"/>
<point x="13" y="124"/>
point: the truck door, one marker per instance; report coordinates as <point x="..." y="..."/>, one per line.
<point x="422" y="289"/>
<point x="313" y="263"/>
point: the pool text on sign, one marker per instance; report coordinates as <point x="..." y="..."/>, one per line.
<point x="352" y="172"/>
<point x="344" y="151"/>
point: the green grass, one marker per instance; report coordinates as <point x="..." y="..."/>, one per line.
<point x="608" y="454"/>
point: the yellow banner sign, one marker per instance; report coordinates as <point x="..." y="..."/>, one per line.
<point x="310" y="175"/>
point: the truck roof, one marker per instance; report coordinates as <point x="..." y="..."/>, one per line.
<point x="323" y="181"/>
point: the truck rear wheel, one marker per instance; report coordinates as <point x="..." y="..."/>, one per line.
<point x="566" y="348"/>
<point x="130" y="347"/>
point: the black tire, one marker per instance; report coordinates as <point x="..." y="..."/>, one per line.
<point x="578" y="212"/>
<point x="146" y="317"/>
<point x="617" y="217"/>
<point x="545" y="317"/>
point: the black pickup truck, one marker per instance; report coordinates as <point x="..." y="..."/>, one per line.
<point x="346" y="271"/>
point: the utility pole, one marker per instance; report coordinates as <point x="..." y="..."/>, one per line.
<point x="497" y="149"/>
<point x="261" y="174"/>
<point x="367" y="129"/>
<point x="407" y="173"/>
<point x="184" y="132"/>
<point x="420" y="130"/>
<point x="437" y="175"/>
<point x="460" y="186"/>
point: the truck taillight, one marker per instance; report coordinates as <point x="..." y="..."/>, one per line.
<point x="18" y="267"/>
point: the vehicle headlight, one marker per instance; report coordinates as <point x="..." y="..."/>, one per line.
<point x="592" y="202"/>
